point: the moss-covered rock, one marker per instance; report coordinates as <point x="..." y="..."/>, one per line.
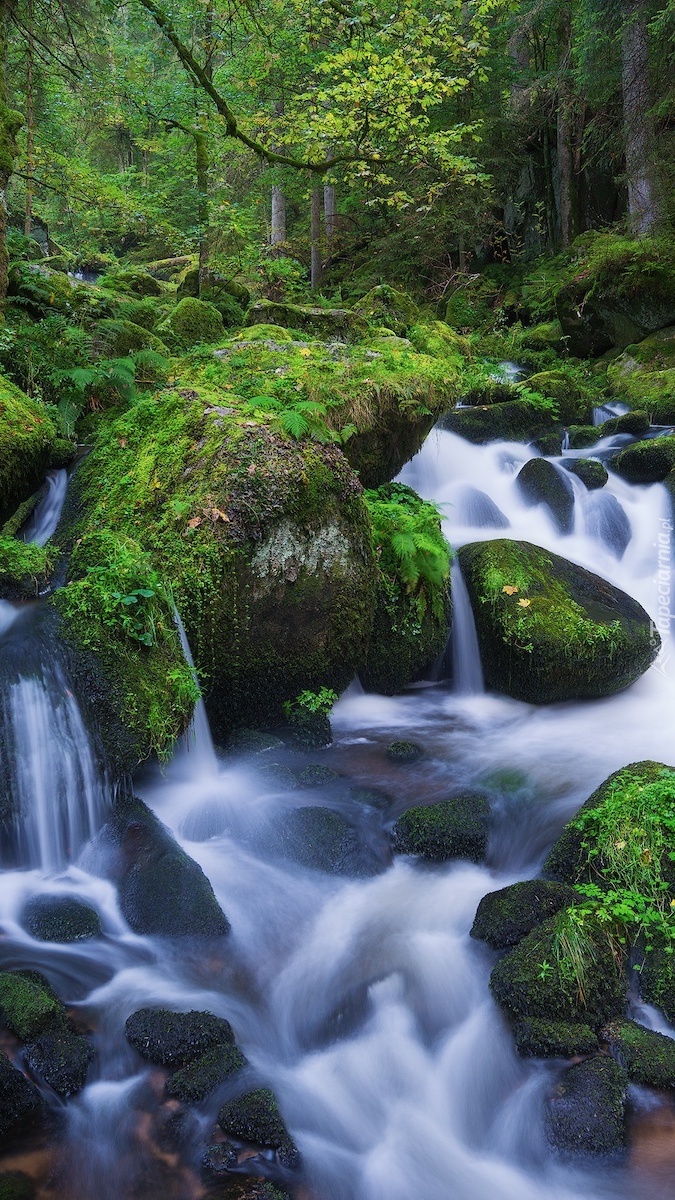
<point x="514" y="421"/>
<point x="404" y="752"/>
<point x="60" y="919"/>
<point x="331" y="324"/>
<point x="117" y="338"/>
<point x="524" y="987"/>
<point x="573" y="395"/>
<point x="581" y="437"/>
<point x="645" y="375"/>
<point x="503" y="918"/>
<point x="24" y="568"/>
<point x="586" y="1111"/>
<point x="322" y="839"/>
<point x="541" y="482"/>
<point x="275" y="334"/>
<point x="657" y="981"/>
<point x="317" y="775"/>
<point x="26" y="1006"/>
<point x="161" y="889"/>
<point x="590" y="471"/>
<point x="646" y="462"/>
<point x="456" y="828"/>
<point x="20" y="1102"/>
<point x="439" y="340"/>
<point x="549" y="630"/>
<point x="176" y="1039"/>
<point x="62" y="1058"/>
<point x="15" y="1185"/>
<point x="385" y="306"/>
<point x="535" y="1038"/>
<point x="546" y="336"/>
<point x="647" y="1057"/>
<point x="194" y="1082"/>
<point x="134" y="280"/>
<point x="27" y="437"/>
<point x="191" y="323"/>
<point x="255" y="1117"/>
<point x="412" y="618"/>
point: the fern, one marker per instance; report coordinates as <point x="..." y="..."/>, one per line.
<point x="292" y="421"/>
<point x="407" y="538"/>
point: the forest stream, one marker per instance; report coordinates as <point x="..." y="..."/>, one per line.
<point x="359" y="998"/>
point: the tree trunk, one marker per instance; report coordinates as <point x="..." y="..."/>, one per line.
<point x="278" y="231"/>
<point x="30" y="119"/>
<point x="315" y="236"/>
<point x="10" y="124"/>
<point x="203" y="164"/>
<point x="642" y="199"/>
<point x="567" y="183"/>
<point x="330" y="214"/>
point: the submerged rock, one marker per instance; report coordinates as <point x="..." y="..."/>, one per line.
<point x="503" y="918"/>
<point x="161" y="889"/>
<point x="20" y="1102"/>
<point x="404" y="752"/>
<point x="323" y="840"/>
<point x="60" y="919"/>
<point x="585" y="1113"/>
<point x="255" y="1117"/>
<point x="549" y="630"/>
<point x="540" y="482"/>
<point x="456" y="828"/>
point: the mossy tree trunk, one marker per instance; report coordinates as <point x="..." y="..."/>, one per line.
<point x="567" y="185"/>
<point x="643" y="208"/>
<point x="10" y="124"/>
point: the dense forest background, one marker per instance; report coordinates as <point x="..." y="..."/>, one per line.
<point x="337" y="143"/>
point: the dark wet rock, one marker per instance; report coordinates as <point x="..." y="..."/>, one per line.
<point x="60" y="919"/>
<point x="657" y="981"/>
<point x="648" y="1057"/>
<point x="534" y="980"/>
<point x="475" y="508"/>
<point x="646" y="462"/>
<point x="541" y="482"/>
<point x="220" y="1158"/>
<point x="404" y="752"/>
<point x="503" y="918"/>
<point x="62" y="1059"/>
<point x="549" y="444"/>
<point x="20" y="1102"/>
<point x="322" y="839"/>
<point x="316" y="775"/>
<point x="253" y="741"/>
<point x="370" y="797"/>
<point x="27" y="1007"/>
<point x="14" y="1185"/>
<point x="192" y="1083"/>
<point x="456" y="828"/>
<point x="535" y="1038"/>
<point x="585" y="1112"/>
<point x="309" y="730"/>
<point x="175" y="1039"/>
<point x="255" y="1117"/>
<point x="280" y="776"/>
<point x="607" y="520"/>
<point x="549" y="630"/>
<point x="161" y="889"/>
<point x="588" y="470"/>
<point x="512" y="421"/>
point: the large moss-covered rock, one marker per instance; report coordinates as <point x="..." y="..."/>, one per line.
<point x="513" y="421"/>
<point x="657" y="981"/>
<point x="60" y="919"/>
<point x="573" y="396"/>
<point x="585" y="1113"/>
<point x="32" y="1011"/>
<point x="503" y="918"/>
<point x="134" y="280"/>
<point x="255" y="1117"/>
<point x="541" y="482"/>
<point x="647" y="1057"/>
<point x="27" y="1007"/>
<point x="161" y="889"/>
<point x="20" y="1102"/>
<point x="549" y="630"/>
<point x="525" y="988"/>
<point x="644" y="375"/>
<point x="591" y="472"/>
<point x="456" y="828"/>
<point x="193" y="1082"/>
<point x="412" y="621"/>
<point x="646" y="462"/>
<point x="27" y="438"/>
<point x="191" y="323"/>
<point x="331" y="324"/>
<point x="386" y="306"/>
<point x="118" y="338"/>
<point x="175" y="1039"/>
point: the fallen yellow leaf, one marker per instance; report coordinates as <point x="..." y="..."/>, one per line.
<point x="524" y="603"/>
<point x="510" y="589"/>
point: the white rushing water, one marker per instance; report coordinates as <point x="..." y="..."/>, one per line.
<point x="46" y="514"/>
<point x="364" y="1003"/>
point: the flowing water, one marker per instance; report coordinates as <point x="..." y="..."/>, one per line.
<point x="363" y="1003"/>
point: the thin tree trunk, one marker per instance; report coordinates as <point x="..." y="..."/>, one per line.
<point x="642" y="199"/>
<point x="30" y="120"/>
<point x="278" y="229"/>
<point x="315" y="236"/>
<point x="330" y="214"/>
<point x="565" y="133"/>
<point x="10" y="124"/>
<point x="550" y="190"/>
<point x="203" y="164"/>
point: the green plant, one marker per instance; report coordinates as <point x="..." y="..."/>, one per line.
<point x="407" y="537"/>
<point x="310" y="704"/>
<point x="299" y="418"/>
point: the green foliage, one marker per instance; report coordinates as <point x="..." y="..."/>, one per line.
<point x="21" y="561"/>
<point x="302" y="418"/>
<point x="310" y="704"/>
<point x="407" y="537"/>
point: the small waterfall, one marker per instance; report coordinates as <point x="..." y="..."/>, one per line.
<point x="198" y="740"/>
<point x="566" y="440"/>
<point x="467" y="672"/>
<point x="604" y="412"/>
<point x="45" y="517"/>
<point x="509" y="372"/>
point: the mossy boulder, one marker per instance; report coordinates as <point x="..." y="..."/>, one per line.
<point x="535" y="1038"/>
<point x="403" y="752"/>
<point x="546" y="336"/>
<point x="161" y="890"/>
<point x="232" y="312"/>
<point x="118" y="338"/>
<point x="27" y="438"/>
<point x="385" y="306"/>
<point x="577" y="857"/>
<point x="549" y="630"/>
<point x="513" y="421"/>
<point x="176" y="1039"/>
<point x="439" y="340"/>
<point x="275" y="334"/>
<point x="255" y="1117"/>
<point x="330" y="324"/>
<point x="647" y="1057"/>
<point x="191" y="323"/>
<point x="574" y="397"/>
<point x="503" y="918"/>
<point x="541" y="482"/>
<point x="60" y="919"/>
<point x="193" y="1083"/>
<point x="455" y="828"/>
<point x="524" y="988"/>
<point x="412" y="623"/>
<point x="27" y="1007"/>
<point x="585" y="1114"/>
<point x="32" y="1011"/>
<point x="646" y="462"/>
<point x="322" y="839"/>
<point x="62" y="1058"/>
<point x="644" y="375"/>
<point x="134" y="280"/>
<point x="20" y="1102"/>
<point x="581" y="437"/>
<point x="24" y="568"/>
<point x="590" y="471"/>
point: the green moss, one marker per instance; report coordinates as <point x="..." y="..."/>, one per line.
<point x="546" y="336"/>
<point x="26" y="1007"/>
<point x="456" y="828"/>
<point x="24" y="567"/>
<point x="118" y="339"/>
<point x="503" y="918"/>
<point x="175" y="1039"/>
<point x="191" y="323"/>
<point x="646" y="462"/>
<point x="60" y="919"/>
<point x="136" y="281"/>
<point x="384" y="306"/>
<point x="439" y="340"/>
<point x="549" y="630"/>
<point x="27" y="436"/>
<point x="657" y="980"/>
<point x="403" y="752"/>
<point x="513" y="420"/>
<point x="194" y="1082"/>
<point x="255" y="1117"/>
<point x="648" y="1057"/>
<point x="535" y="1038"/>
<point x="571" y="388"/>
<point x="541" y="482"/>
<point x="331" y="324"/>
<point x="586" y="1110"/>
<point x="14" y="1185"/>
<point x="270" y="333"/>
<point x="591" y="472"/>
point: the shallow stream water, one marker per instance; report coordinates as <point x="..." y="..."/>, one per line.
<point x="363" y="1003"/>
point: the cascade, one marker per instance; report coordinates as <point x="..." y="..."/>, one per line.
<point x="467" y="673"/>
